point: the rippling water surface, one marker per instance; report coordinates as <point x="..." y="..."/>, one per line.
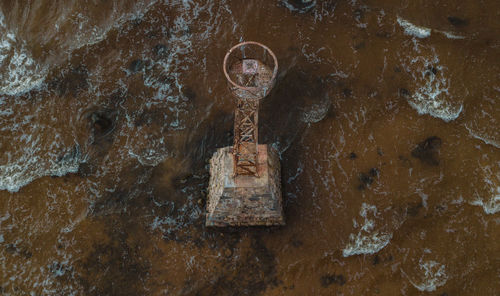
<point x="385" y="113"/>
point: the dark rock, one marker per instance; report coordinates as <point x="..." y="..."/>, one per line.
<point x="160" y="50"/>
<point x="365" y="179"/>
<point x="136" y="66"/>
<point x="347" y="92"/>
<point x="301" y="6"/>
<point x="413" y="209"/>
<point x="374" y="172"/>
<point x="329" y="279"/>
<point x="353" y="155"/>
<point x="428" y="151"/>
<point x="376" y="260"/>
<point x="458" y="22"/>
<point x="101" y="123"/>
<point x="360" y="45"/>
<point x="431" y="71"/>
<point x="404" y="92"/>
<point x="189" y="93"/>
<point x="359" y="14"/>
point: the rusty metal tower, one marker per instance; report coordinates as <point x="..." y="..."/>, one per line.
<point x="245" y="179"/>
<point x="251" y="69"/>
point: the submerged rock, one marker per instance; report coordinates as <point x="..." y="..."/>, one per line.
<point x="428" y="151"/>
<point x="161" y="50"/>
<point x="328" y="279"/>
<point x="136" y="66"/>
<point x="301" y="6"/>
<point x="366" y="179"/>
<point x="458" y="22"/>
<point x="101" y="123"/>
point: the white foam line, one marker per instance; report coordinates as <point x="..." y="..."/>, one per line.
<point x="450" y="35"/>
<point x="18" y="71"/>
<point x="434" y="276"/>
<point x="482" y="138"/>
<point x="432" y="95"/>
<point x="366" y="241"/>
<point x="414" y="30"/>
<point x="423" y="32"/>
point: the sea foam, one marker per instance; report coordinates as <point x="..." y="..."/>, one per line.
<point x="432" y="275"/>
<point x="489" y="201"/>
<point x="414" y="30"/>
<point x="423" y="32"/>
<point x="432" y="95"/>
<point x="19" y="73"/>
<point x="316" y="112"/>
<point x="366" y="241"/>
<point x="30" y="165"/>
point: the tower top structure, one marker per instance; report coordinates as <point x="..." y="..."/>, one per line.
<point x="251" y="69"/>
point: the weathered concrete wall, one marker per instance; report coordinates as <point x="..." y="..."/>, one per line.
<point x="245" y="200"/>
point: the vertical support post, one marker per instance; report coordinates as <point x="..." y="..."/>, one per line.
<point x="246" y="137"/>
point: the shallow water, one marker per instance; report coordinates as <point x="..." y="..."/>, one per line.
<point x="385" y="114"/>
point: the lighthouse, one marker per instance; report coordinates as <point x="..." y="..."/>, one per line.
<point x="245" y="179"/>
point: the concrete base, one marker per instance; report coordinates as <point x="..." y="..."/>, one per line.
<point x="245" y="200"/>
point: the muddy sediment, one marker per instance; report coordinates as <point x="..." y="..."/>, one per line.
<point x="383" y="116"/>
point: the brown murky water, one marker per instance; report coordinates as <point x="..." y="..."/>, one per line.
<point x="386" y="115"/>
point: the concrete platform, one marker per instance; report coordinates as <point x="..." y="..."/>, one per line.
<point x="245" y="200"/>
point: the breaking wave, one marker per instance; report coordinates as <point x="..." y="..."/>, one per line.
<point x="31" y="165"/>
<point x="431" y="275"/>
<point x="316" y="112"/>
<point x="414" y="30"/>
<point x="423" y="32"/>
<point x="483" y="137"/>
<point x="489" y="198"/>
<point x="19" y="73"/>
<point x="366" y="241"/>
<point x="432" y="95"/>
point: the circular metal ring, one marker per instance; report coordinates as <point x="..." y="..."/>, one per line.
<point x="275" y="70"/>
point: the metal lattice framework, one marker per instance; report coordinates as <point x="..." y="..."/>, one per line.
<point x="251" y="69"/>
<point x="246" y="136"/>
